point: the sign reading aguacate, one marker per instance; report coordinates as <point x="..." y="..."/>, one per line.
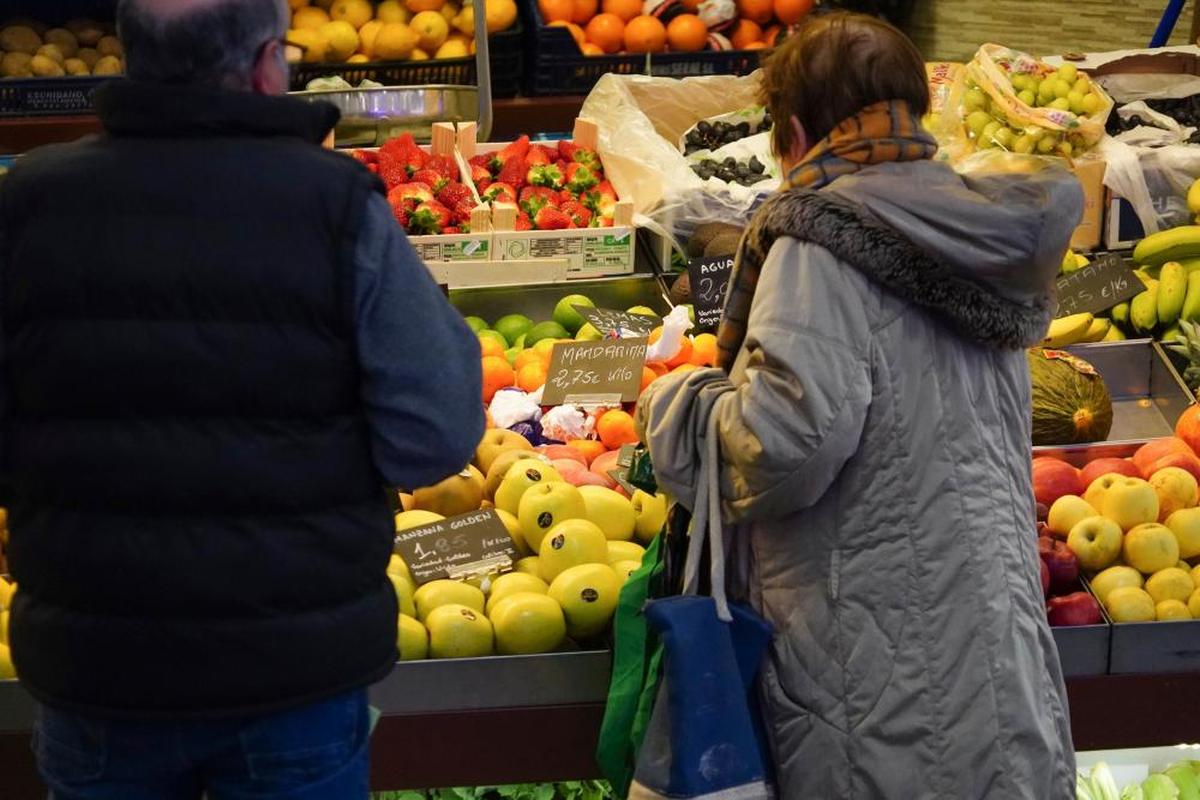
<point x="605" y="372"/>
<point x="709" y="280"/>
<point x="470" y="544"/>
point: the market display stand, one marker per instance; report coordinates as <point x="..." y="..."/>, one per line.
<point x="535" y="718"/>
<point x="510" y="119"/>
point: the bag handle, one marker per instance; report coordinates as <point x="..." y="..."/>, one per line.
<point x="706" y="523"/>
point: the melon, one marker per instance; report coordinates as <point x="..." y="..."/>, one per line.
<point x="1071" y="404"/>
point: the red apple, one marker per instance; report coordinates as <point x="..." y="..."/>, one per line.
<point x="1188" y="426"/>
<point x="1186" y="461"/>
<point x="1052" y="478"/>
<point x="1045" y="571"/>
<point x="1061" y="562"/>
<point x="557" y="452"/>
<point x="1151" y="452"/>
<point x="1077" y="608"/>
<point x="576" y="474"/>
<point x="602" y="463"/>
<point x="1103" y="466"/>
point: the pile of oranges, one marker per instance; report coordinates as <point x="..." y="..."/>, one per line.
<point x="605" y="27"/>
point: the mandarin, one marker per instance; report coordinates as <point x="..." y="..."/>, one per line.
<point x="555" y="10"/>
<point x="615" y="428"/>
<point x="704" y="350"/>
<point x="588" y="448"/>
<point x="576" y="32"/>
<point x="606" y="31"/>
<point x="789" y="12"/>
<point x="584" y="11"/>
<point x="531" y="377"/>
<point x="645" y="34"/>
<point x="745" y="33"/>
<point x="589" y="49"/>
<point x="625" y="9"/>
<point x="687" y="33"/>
<point x="649" y="376"/>
<point x="759" y="11"/>
<point x="497" y="375"/>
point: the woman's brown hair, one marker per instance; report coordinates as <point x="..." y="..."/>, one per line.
<point x="833" y="67"/>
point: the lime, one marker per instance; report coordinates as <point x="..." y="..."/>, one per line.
<point x="476" y="324"/>
<point x="512" y="326"/>
<point x="511" y="354"/>
<point x="642" y="311"/>
<point x="545" y="330"/>
<point x="588" y="333"/>
<point x="566" y="316"/>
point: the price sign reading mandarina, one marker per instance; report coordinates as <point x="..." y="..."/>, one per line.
<point x="709" y="280"/>
<point x="595" y="373"/>
<point x="469" y="544"/>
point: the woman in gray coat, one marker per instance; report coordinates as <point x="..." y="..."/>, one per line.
<point x="874" y="422"/>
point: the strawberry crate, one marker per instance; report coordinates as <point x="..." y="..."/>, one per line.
<point x="557" y="67"/>
<point x="506" y="51"/>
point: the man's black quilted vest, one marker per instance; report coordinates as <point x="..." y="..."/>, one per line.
<point x="197" y="525"/>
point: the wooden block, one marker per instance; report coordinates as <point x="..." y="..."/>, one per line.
<point x="466" y="139"/>
<point x="504" y="217"/>
<point x="481" y="218"/>
<point x="623" y="214"/>
<point x="443" y="139"/>
<point x="587" y="134"/>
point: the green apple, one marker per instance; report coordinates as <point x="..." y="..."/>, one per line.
<point x="1115" y="578"/>
<point x="566" y="315"/>
<point x="520" y="476"/>
<point x="588" y="333"/>
<point x="1176" y="489"/>
<point x="1094" y="494"/>
<point x="543" y="506"/>
<point x="476" y="324"/>
<point x="588" y="596"/>
<point x="494" y="442"/>
<point x="610" y="511"/>
<point x="572" y="543"/>
<point x="644" y="311"/>
<point x="1096" y="542"/>
<point x="1185" y="524"/>
<point x="1150" y="547"/>
<point x="411" y="638"/>
<point x="404" y="593"/>
<point x="624" y="551"/>
<point x="1131" y="502"/>
<point x="651" y="510"/>
<point x="1065" y="512"/>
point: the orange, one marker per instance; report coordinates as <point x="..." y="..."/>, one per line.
<point x="417" y="6"/>
<point x="745" y="33"/>
<point x="685" y="368"/>
<point x="649" y="376"/>
<point x="625" y="9"/>
<point x="687" y="33"/>
<point x="576" y="32"/>
<point x="616" y="428"/>
<point x="770" y="35"/>
<point x="645" y="34"/>
<point x="555" y="10"/>
<point x="488" y="346"/>
<point x="529" y="356"/>
<point x="308" y="17"/>
<point x="545" y="349"/>
<point x="659" y="367"/>
<point x="756" y="46"/>
<point x="759" y="11"/>
<point x="497" y="375"/>
<point x="584" y="11"/>
<point x="681" y="356"/>
<point x="590" y="49"/>
<point x="501" y="14"/>
<point x="704" y="350"/>
<point x="790" y="12"/>
<point x="606" y="31"/>
<point x="588" y="448"/>
<point x="532" y="376"/>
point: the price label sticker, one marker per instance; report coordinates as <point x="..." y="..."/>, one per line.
<point x="1099" y="286"/>
<point x="622" y="323"/>
<point x="709" y="280"/>
<point x="607" y="372"/>
<point x="456" y="547"/>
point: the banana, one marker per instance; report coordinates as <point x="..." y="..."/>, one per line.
<point x="1071" y="262"/>
<point x="1114" y="335"/>
<point x="1066" y="331"/>
<point x="1143" y="310"/>
<point x="1146" y="276"/>
<point x="1120" y="314"/>
<point x="1172" y="289"/>
<point x="1190" y="265"/>
<point x="1171" y="334"/>
<point x="1175" y="244"/>
<point x="1191" y="302"/>
<point x="1193" y="198"/>
<point x="1097" y="330"/>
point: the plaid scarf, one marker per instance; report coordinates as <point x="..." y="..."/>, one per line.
<point x="883" y="132"/>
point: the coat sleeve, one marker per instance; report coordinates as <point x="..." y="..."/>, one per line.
<point x="796" y="411"/>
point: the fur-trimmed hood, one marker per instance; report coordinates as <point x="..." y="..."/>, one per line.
<point x="981" y="254"/>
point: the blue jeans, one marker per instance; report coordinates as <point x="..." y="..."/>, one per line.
<point x="315" y="752"/>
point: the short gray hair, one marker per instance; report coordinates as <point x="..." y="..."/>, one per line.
<point x="214" y="45"/>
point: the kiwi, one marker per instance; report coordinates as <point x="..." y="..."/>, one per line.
<point x="725" y="244"/>
<point x="44" y="67"/>
<point x="64" y="40"/>
<point x="706" y="233"/>
<point x="109" y="65"/>
<point x="89" y="56"/>
<point x="75" y="66"/>
<point x="19" y="39"/>
<point x="110" y="46"/>
<point x="15" y="65"/>
<point x="52" y="52"/>
<point x="681" y="290"/>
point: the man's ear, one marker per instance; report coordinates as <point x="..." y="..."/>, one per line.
<point x="270" y="70"/>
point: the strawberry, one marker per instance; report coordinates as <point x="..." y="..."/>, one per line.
<point x="500" y="193"/>
<point x="537" y="158"/>
<point x="431" y="178"/>
<point x="534" y="198"/>
<point x="429" y="218"/>
<point x="523" y="222"/>
<point x="373" y="169"/>
<point x="418" y="192"/>
<point x="513" y="173"/>
<point x="483" y="160"/>
<point x="366" y="156"/>
<point x="462" y="210"/>
<point x="480" y="174"/>
<point x="402" y="214"/>
<point x="518" y="149"/>
<point x="602" y="199"/>
<point x="566" y="150"/>
<point x="580" y="178"/>
<point x="566" y="196"/>
<point x="405" y="150"/>
<point x="578" y="212"/>
<point x="602" y="222"/>
<point x="392" y="169"/>
<point x="548" y="175"/>
<point x="549" y="218"/>
<point x="451" y="229"/>
<point x="452" y="194"/>
<point x="587" y="157"/>
<point x="482" y="185"/>
<point x="444" y="166"/>
<point x="549" y="153"/>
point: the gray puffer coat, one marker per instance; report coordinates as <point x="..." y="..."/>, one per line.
<point x="875" y="449"/>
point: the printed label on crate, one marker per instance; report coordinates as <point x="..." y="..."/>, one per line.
<point x="612" y="252"/>
<point x="432" y="251"/>
<point x="475" y="543"/>
<point x="609" y="320"/>
<point x="709" y="280"/>
<point x="595" y="373"/>
<point x="1099" y="286"/>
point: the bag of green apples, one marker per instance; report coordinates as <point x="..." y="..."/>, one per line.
<point x="1014" y="102"/>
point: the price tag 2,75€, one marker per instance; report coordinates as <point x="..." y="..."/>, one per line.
<point x="475" y="543"/>
<point x="709" y="280"/>
<point x="607" y="372"/>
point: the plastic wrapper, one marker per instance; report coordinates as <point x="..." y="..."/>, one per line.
<point x="510" y="406"/>
<point x="565" y="423"/>
<point x="531" y="430"/>
<point x="1154" y="180"/>
<point x="675" y="326"/>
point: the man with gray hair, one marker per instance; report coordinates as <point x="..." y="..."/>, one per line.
<point x="210" y="375"/>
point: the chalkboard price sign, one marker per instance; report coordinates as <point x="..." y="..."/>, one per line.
<point x="606" y="372"/>
<point x="709" y="280"/>
<point x="607" y="320"/>
<point x="475" y="543"/>
<point x="1096" y="288"/>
